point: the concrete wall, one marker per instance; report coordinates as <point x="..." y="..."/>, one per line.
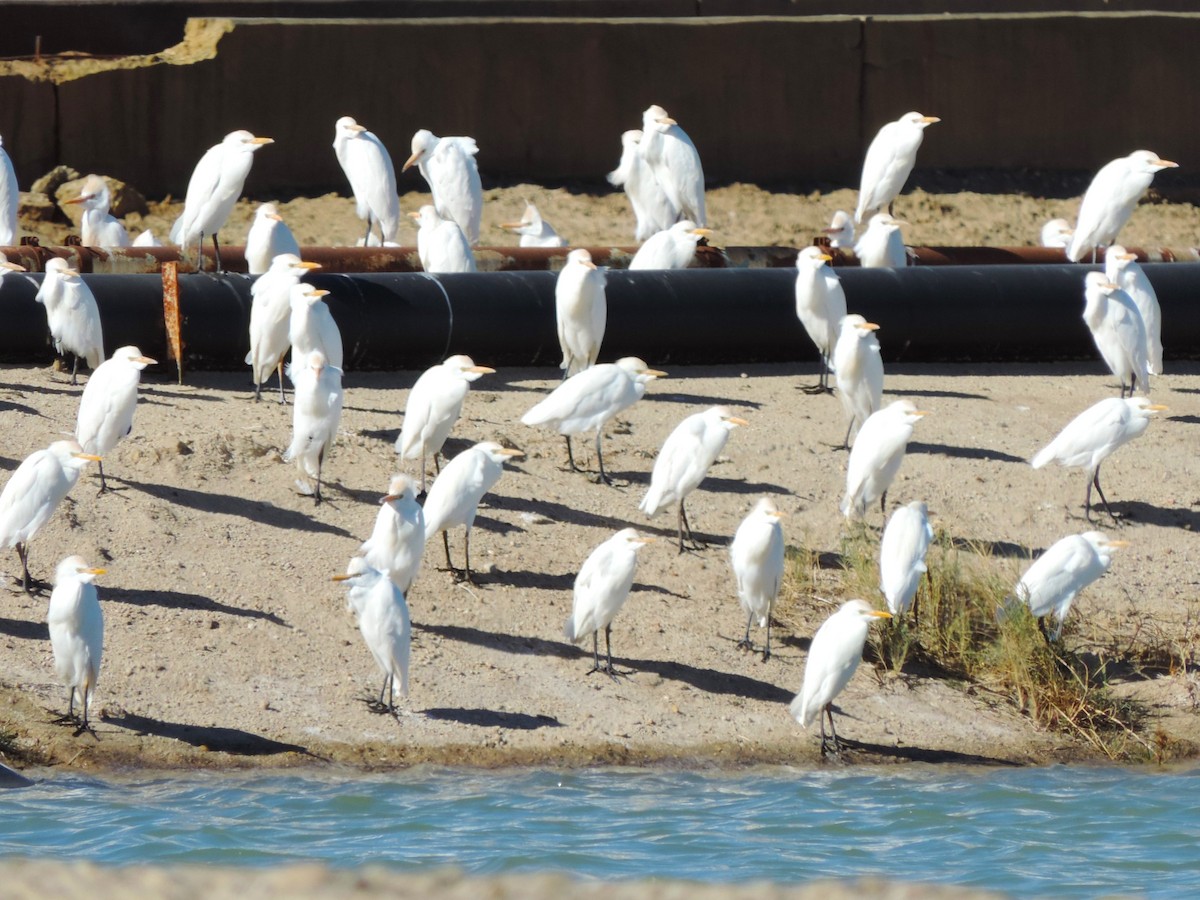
<point x="766" y="100"/>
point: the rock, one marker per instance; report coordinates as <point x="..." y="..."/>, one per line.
<point x="125" y="198"/>
<point x="50" y="182"/>
<point x="36" y="207"/>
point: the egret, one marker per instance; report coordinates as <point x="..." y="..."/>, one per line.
<point x="72" y="315"/>
<point x="820" y="307"/>
<point x="441" y="244"/>
<point x="434" y="405"/>
<point x="317" y="389"/>
<point x="398" y="539"/>
<point x="881" y="245"/>
<point x="906" y="540"/>
<point x="581" y="311"/>
<point x="674" y="248"/>
<point x="1110" y="199"/>
<point x="107" y="405"/>
<point x="1056" y="233"/>
<point x="146" y="239"/>
<point x="757" y="557"/>
<point x="76" y="627"/>
<point x="214" y="189"/>
<point x="840" y="230"/>
<point x="270" y="317"/>
<point x="1118" y="330"/>
<point x="1121" y="268"/>
<point x="1093" y="435"/>
<point x="1050" y="585"/>
<point x="858" y="369"/>
<point x="652" y="208"/>
<point x="267" y="238"/>
<point x="588" y="400"/>
<point x="368" y="167"/>
<point x="601" y="587"/>
<point x="833" y="656"/>
<point x="448" y="167"/>
<point x="876" y="456"/>
<point x="684" y="460"/>
<point x="10" y="198"/>
<point x="97" y="228"/>
<point x="384" y="623"/>
<point x="454" y="498"/>
<point x="311" y="325"/>
<point x="534" y="230"/>
<point x="33" y="493"/>
<point x="889" y="162"/>
<point x="675" y="162"/>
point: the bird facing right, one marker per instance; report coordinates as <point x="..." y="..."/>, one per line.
<point x="672" y="248"/>
<point x="881" y="246"/>
<point x="581" y="311"/>
<point x="76" y="627"/>
<point x="820" y="307"/>
<point x="1122" y="269"/>
<point x="889" y="162"/>
<point x="876" y="456"/>
<point x="270" y="318"/>
<point x="1049" y="586"/>
<point x="1118" y="330"/>
<point x="757" y="554"/>
<point x="107" y="405"/>
<point x="858" y="371"/>
<point x="368" y="167"/>
<point x="1110" y="200"/>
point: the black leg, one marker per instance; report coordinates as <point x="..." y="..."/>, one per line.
<point x="612" y="672"/>
<point x="767" y="650"/>
<point x="600" y="458"/>
<point x="75" y="369"/>
<point x="685" y="526"/>
<point x="23" y="555"/>
<point x="467" y="557"/>
<point x="367" y="239"/>
<point x="845" y="445"/>
<point x="446" y="544"/>
<point x="571" y="456"/>
<point x="103" y="483"/>
<point x="745" y="643"/>
<point x="1103" y="499"/>
<point x="837" y="747"/>
<point x="200" y="253"/>
<point x="279" y="369"/>
<point x="320" y="463"/>
<point x="595" y="651"/>
<point x="883" y="504"/>
<point x="217" y="251"/>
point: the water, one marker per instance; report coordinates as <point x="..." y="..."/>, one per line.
<point x="1035" y="832"/>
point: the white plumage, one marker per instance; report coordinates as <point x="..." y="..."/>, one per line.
<point x="96" y="227"/>
<point x="841" y="229"/>
<point x="881" y="245"/>
<point x="76" y="627"/>
<point x="441" y="244"/>
<point x="108" y="401"/>
<point x="386" y="628"/>
<point x="674" y="248"/>
<point x="72" y="315"/>
<point x="581" y="311"/>
<point x="889" y="161"/>
<point x="10" y="197"/>
<point x="267" y="238"/>
<point x="534" y="230"/>
<point x="397" y="542"/>
<point x="652" y="208"/>
<point x="1056" y="233"/>
<point x="820" y="305"/>
<point x="675" y="162"/>
<point x="858" y="370"/>
<point x="1050" y="585"/>
<point x="270" y="317"/>
<point x="1110" y="200"/>
<point x="906" y="540"/>
<point x="877" y="454"/>
<point x="449" y="168"/>
<point x="756" y="554"/>
<point x="1122" y="268"/>
<point x="368" y="167"/>
<point x="601" y="588"/>
<point x="311" y="326"/>
<point x="1118" y="331"/>
<point x="317" y="410"/>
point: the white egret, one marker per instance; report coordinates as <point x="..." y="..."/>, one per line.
<point x="1056" y="233"/>
<point x="270" y="317"/>
<point x="267" y="238"/>
<point x="1118" y="330"/>
<point x="1094" y="435"/>
<point x="1050" y="585"/>
<point x="652" y="208"/>
<point x="213" y="191"/>
<point x="72" y="315"/>
<point x="454" y="498"/>
<point x="534" y="230"/>
<point x="76" y="627"/>
<point x="674" y="248"/>
<point x="10" y="198"/>
<point x="889" y="162"/>
<point x="881" y="245"/>
<point x="876" y="456"/>
<point x="107" y="405"/>
<point x="146" y="239"/>
<point x="833" y="656"/>
<point x="858" y="370"/>
<point x="434" y="405"/>
<point x="317" y="390"/>
<point x="757" y="557"/>
<point x="840" y="230"/>
<point x="820" y="307"/>
<point x="684" y="460"/>
<point x="311" y="325"/>
<point x="368" y="167"/>
<point x="448" y="166"/>
<point x="33" y="493"/>
<point x="587" y="401"/>
<point x="906" y="540"/>
<point x="1110" y="199"/>
<point x="397" y="542"/>
<point x="1123" y="270"/>
<point x="441" y="244"/>
<point x="97" y="228"/>
<point x="601" y="588"/>
<point x="675" y="162"/>
<point x="386" y="628"/>
<point x="581" y="311"/>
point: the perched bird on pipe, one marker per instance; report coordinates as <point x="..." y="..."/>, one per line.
<point x="876" y="456"/>
<point x="1110" y="200"/>
<point x="534" y="230"/>
<point x="267" y="238"/>
<point x="881" y="246"/>
<point x="1056" y="234"/>
<point x="76" y="627"/>
<point x="652" y="208"/>
<point x="1094" y="435"/>
<point x="397" y="542"/>
<point x="889" y="161"/>
<point x="441" y="245"/>
<point x="675" y="162"/>
<point x="107" y="405"/>
<point x="448" y="167"/>
<point x="1122" y="269"/>
<point x="601" y="588"/>
<point x="10" y="198"/>
<point x="906" y="540"/>
<point x="72" y="315"/>
<point x="674" y="248"/>
<point x="368" y="167"/>
<point x="820" y="307"/>
<point x="833" y="657"/>
<point x="858" y="371"/>
<point x="1118" y="330"/>
<point x="96" y="227"/>
<point x="756" y="554"/>
<point x="684" y="460"/>
<point x="841" y="230"/>
<point x="581" y="311"/>
<point x="317" y="410"/>
<point x="1050" y="585"/>
<point x="270" y="318"/>
<point x="384" y="622"/>
<point x="311" y="325"/>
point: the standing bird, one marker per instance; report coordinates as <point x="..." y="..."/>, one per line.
<point x="1056" y="234"/>
<point x="454" y="498"/>
<point x="1122" y="269"/>
<point x="368" y="167"/>
<point x="384" y="623"/>
<point x="906" y="540"/>
<point x="10" y="198"/>
<point x="684" y="460"/>
<point x="858" y="369"/>
<point x="448" y="167"/>
<point x="840" y="230"/>
<point x="76" y="627"/>
<point x="434" y="405"/>
<point x="757" y="557"/>
<point x="581" y="311"/>
<point x="588" y="400"/>
<point x="1094" y="435"/>
<point x="833" y="656"/>
<point x="213" y="191"/>
<point x="33" y="493"/>
<point x="97" y="228"/>
<point x="267" y="238"/>
<point x="1118" y="330"/>
<point x="318" y="396"/>
<point x="881" y="245"/>
<point x="311" y="326"/>
<point x="675" y="162"/>
<point x="601" y="587"/>
<point x="652" y="208"/>
<point x="146" y="239"/>
<point x="674" y="248"/>
<point x="72" y="315"/>
<point x="534" y="230"/>
<point x="1049" y="586"/>
<point x="441" y="245"/>
<point x="889" y="162"/>
<point x="397" y="542"/>
<point x="270" y="318"/>
<point x="107" y="405"/>
<point x="876" y="456"/>
<point x="1110" y="199"/>
<point x="820" y="307"/>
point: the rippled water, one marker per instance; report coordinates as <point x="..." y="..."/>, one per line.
<point x="1054" y="831"/>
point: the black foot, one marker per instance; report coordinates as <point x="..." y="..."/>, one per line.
<point x="746" y="645"/>
<point x="611" y="671"/>
<point x="816" y="389"/>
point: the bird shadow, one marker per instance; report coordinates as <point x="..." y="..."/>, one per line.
<point x="509" y="643"/>
<point x="742" y="486"/>
<point x="1000" y="549"/>
<point x="1185" y="420"/>
<point x="40" y="389"/>
<point x="7" y="406"/>
<point x="387" y="435"/>
<point x="924" y="754"/>
<point x="225" y="740"/>
<point x="495" y="526"/>
<point x="964" y="452"/>
<point x="558" y="512"/>
<point x="26" y="631"/>
<point x="8" y="464"/>
<point x="700" y="399"/>
<point x="711" y="681"/>
<point x="1145" y="513"/>
<point x="493" y="718"/>
<point x="181" y="600"/>
<point x="948" y="395"/>
<point x="174" y="396"/>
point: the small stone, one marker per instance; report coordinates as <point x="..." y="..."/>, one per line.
<point x="36" y="207"/>
<point x="50" y="182"/>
